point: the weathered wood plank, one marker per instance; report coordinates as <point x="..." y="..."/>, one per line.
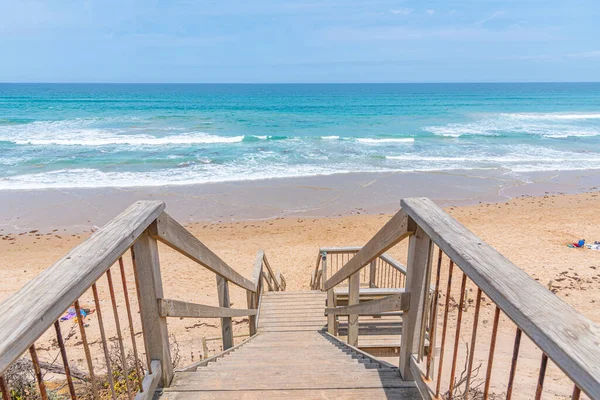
<point x="372" y="273"/>
<point x="392" y="232"/>
<point x="146" y="267"/>
<point x="343" y="291"/>
<point x="339" y="250"/>
<point x="150" y="382"/>
<point x="256" y="296"/>
<point x="571" y="340"/>
<point x="314" y="285"/>
<point x="347" y="394"/>
<point x="419" y="264"/>
<point x="271" y="275"/>
<point x="258" y="267"/>
<point x="182" y="309"/>
<point x="266" y="279"/>
<point x="224" y="302"/>
<point x="353" y="299"/>
<point x="393" y="263"/>
<point x="368" y="381"/>
<point x="28" y="313"/>
<point x="202" y="363"/>
<point x="251" y="301"/>
<point x="171" y="233"/>
<point x="394" y="302"/>
<point x="419" y="376"/>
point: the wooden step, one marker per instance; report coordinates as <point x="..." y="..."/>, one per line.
<point x="294" y="394"/>
<point x="292" y="358"/>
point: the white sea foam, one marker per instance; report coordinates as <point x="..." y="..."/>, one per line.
<point x="140" y="140"/>
<point x="552" y="116"/>
<point x="189" y="174"/>
<point x="544" y="125"/>
<point x="499" y="160"/>
<point x="84" y="132"/>
<point x="330" y="137"/>
<point x="384" y="140"/>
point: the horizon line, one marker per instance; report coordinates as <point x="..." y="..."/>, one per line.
<point x="281" y="83"/>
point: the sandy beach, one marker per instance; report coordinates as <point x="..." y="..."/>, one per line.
<point x="533" y="232"/>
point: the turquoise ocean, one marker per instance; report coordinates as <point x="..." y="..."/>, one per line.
<point x="120" y="135"/>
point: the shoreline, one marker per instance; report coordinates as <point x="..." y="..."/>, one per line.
<point x="77" y="210"/>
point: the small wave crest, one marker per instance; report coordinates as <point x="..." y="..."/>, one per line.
<point x="384" y="140"/>
<point x="140" y="140"/>
<point x="552" y="116"/>
<point x="552" y="125"/>
<point x="256" y="138"/>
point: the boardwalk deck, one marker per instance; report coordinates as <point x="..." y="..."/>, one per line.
<point x="292" y="357"/>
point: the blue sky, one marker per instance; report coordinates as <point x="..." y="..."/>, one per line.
<point x="299" y="41"/>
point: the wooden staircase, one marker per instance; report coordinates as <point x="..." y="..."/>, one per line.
<point x="292" y="357"/>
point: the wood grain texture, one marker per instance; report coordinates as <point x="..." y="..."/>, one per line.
<point x="171" y="233"/>
<point x="257" y="272"/>
<point x="393" y="263"/>
<point x="372" y="273"/>
<point x="369" y="292"/>
<point x="392" y="232"/>
<point x="271" y="275"/>
<point x="567" y="337"/>
<point x="203" y="363"/>
<point x="301" y="364"/>
<point x="150" y="382"/>
<point x="331" y="320"/>
<point x="146" y="268"/>
<point x="339" y="250"/>
<point x="395" y="302"/>
<point x="353" y="299"/>
<point x="251" y="301"/>
<point x="182" y="309"/>
<point x="224" y="302"/>
<point x="28" y="313"/>
<point x="419" y="263"/>
<point x="419" y="375"/>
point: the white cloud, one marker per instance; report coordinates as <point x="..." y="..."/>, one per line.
<point x="402" y="11"/>
<point x="430" y="11"/>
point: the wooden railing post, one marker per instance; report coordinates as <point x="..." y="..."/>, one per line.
<point x="223" y="291"/>
<point x="417" y="271"/>
<point x="353" y="298"/>
<point x="148" y="278"/>
<point x="372" y="273"/>
<point x="331" y="319"/>
<point x="251" y="298"/>
<point x="323" y="269"/>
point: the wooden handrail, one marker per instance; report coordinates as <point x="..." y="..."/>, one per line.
<point x="257" y="271"/>
<point x="315" y="277"/>
<point x="182" y="309"/>
<point x="393" y="263"/>
<point x="394" y="302"/>
<point x="571" y="340"/>
<point x="28" y="313"/>
<point x="392" y="232"/>
<point x="316" y="271"/>
<point x="340" y="250"/>
<point x="171" y="233"/>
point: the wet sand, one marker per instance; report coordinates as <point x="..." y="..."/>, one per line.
<point x="78" y="210"/>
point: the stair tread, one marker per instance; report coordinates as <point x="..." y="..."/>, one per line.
<point x="292" y="357"/>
